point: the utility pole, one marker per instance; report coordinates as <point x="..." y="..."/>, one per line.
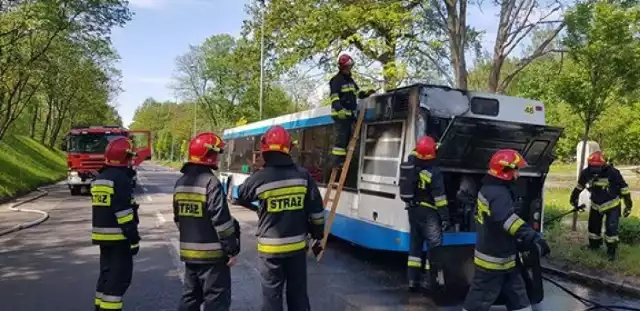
<point x="173" y="142"/>
<point x="195" y="110"/>
<point x="262" y="9"/>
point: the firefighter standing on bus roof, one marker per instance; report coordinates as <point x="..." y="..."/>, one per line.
<point x="606" y="185"/>
<point x="422" y="187"/>
<point x="209" y="235"/>
<point x="114" y="225"/>
<point x="290" y="209"/>
<point x="500" y="234"/>
<point x="344" y="94"/>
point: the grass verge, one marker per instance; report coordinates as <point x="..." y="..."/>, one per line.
<point x="25" y="165"/>
<point x="173" y="164"/>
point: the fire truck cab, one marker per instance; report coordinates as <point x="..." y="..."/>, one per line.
<point x="85" y="146"/>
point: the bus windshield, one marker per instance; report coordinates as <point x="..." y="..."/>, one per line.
<point x="90" y="143"/>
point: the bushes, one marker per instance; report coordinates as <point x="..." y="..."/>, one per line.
<point x="551" y="212"/>
<point x="629" y="232"/>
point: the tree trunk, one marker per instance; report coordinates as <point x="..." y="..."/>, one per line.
<point x="34" y="121"/>
<point x="47" y="121"/>
<point x="457" y="31"/>
<point x="585" y="138"/>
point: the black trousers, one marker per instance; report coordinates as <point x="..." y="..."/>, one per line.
<point x="208" y="285"/>
<point x="280" y="272"/>
<point x="343" y="129"/>
<point x="486" y="286"/>
<point x="425" y="226"/>
<point x="116" y="271"/>
<point x="611" y="227"/>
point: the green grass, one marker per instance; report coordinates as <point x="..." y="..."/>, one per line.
<point x="173" y="164"/>
<point x="566" y="249"/>
<point x="562" y="168"/>
<point x="25" y="165"/>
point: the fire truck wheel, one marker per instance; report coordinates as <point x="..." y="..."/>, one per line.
<point x="75" y="190"/>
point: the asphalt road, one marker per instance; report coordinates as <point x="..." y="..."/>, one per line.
<point x="53" y="266"/>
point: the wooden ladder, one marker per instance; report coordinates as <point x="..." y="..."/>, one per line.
<point x="333" y="185"/>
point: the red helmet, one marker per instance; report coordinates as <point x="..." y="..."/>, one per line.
<point x="204" y="148"/>
<point x="597" y="159"/>
<point x="426" y="148"/>
<point x="345" y="61"/>
<point x="276" y="139"/>
<point x="504" y="164"/>
<point x="119" y="152"/>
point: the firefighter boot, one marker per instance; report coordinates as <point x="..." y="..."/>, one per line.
<point x="611" y="251"/>
<point x="594" y="242"/>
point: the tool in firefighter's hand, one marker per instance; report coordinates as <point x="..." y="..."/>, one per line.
<point x="337" y="186"/>
<point x="626" y="212"/>
<point x="579" y="208"/>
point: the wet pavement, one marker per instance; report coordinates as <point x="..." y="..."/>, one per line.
<point x="53" y="266"/>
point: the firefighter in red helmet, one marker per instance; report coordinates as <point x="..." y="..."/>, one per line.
<point x="290" y="208"/>
<point x="422" y="188"/>
<point x="209" y="235"/>
<point x="500" y="234"/>
<point x="607" y="187"/>
<point x="344" y="93"/>
<point x="114" y="223"/>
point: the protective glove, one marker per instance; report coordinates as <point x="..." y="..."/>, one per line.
<point x="627" y="211"/>
<point x="543" y="247"/>
<point x="135" y="248"/>
<point x="580" y="208"/>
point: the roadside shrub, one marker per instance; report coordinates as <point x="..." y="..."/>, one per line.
<point x="550" y="212"/>
<point x="629" y="232"/>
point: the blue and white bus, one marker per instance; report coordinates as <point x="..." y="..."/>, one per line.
<point x="470" y="127"/>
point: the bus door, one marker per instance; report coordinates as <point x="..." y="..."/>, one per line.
<point x="381" y="154"/>
<point x="142" y="145"/>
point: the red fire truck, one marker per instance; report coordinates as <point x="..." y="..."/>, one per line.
<point x="85" y="147"/>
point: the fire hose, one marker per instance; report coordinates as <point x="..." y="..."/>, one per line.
<point x="592" y="305"/>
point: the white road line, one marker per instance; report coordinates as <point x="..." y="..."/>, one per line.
<point x="174" y="249"/>
<point x="148" y="197"/>
<point x="145" y="189"/>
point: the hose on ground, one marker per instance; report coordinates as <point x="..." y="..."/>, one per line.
<point x="593" y="306"/>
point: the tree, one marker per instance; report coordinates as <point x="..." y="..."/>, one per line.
<point x="518" y="19"/>
<point x="605" y="61"/>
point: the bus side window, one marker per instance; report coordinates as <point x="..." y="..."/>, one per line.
<point x="313" y="152"/>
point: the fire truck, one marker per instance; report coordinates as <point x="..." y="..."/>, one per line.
<point x="85" y="146"/>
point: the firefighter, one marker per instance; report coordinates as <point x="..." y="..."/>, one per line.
<point x="422" y="188"/>
<point x="606" y="185"/>
<point x="209" y="235"/>
<point x="344" y="93"/>
<point x="290" y="208"/>
<point x="500" y="234"/>
<point x="115" y="227"/>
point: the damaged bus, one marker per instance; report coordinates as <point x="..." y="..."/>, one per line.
<point x="469" y="126"/>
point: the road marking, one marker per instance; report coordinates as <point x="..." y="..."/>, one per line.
<point x="174" y="249"/>
<point x="148" y="197"/>
<point x="145" y="189"/>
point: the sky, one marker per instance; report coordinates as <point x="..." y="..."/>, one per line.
<point x="161" y="30"/>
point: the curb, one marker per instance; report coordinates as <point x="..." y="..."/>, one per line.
<point x="617" y="286"/>
<point x="29" y="224"/>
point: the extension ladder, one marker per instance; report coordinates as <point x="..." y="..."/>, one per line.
<point x="337" y="186"/>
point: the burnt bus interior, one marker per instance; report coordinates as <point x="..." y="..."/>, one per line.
<point x="467" y="143"/>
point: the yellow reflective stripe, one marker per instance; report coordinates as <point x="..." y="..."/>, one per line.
<point x="333" y="97"/>
<point x="318" y="221"/>
<point x="413" y="264"/>
<point x="625" y="190"/>
<point x="125" y="219"/>
<point x="135" y="245"/>
<point x="283" y="191"/>
<point x="108" y="236"/>
<point x="110" y="305"/>
<point x="607" y="205"/>
<point x="427" y="266"/>
<point x="338" y="151"/>
<point x="104" y="189"/>
<point x="441" y="201"/>
<point x="425" y="176"/>
<point x="346" y="89"/>
<point x="593" y="236"/>
<point x="199" y="254"/>
<point x="186" y="196"/>
<point x="426" y="204"/>
<point x="494" y="266"/>
<point x="97" y="301"/>
<point x="284" y="248"/>
<point x="342" y="113"/>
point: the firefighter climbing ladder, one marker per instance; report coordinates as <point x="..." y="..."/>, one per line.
<point x="337" y="186"/>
